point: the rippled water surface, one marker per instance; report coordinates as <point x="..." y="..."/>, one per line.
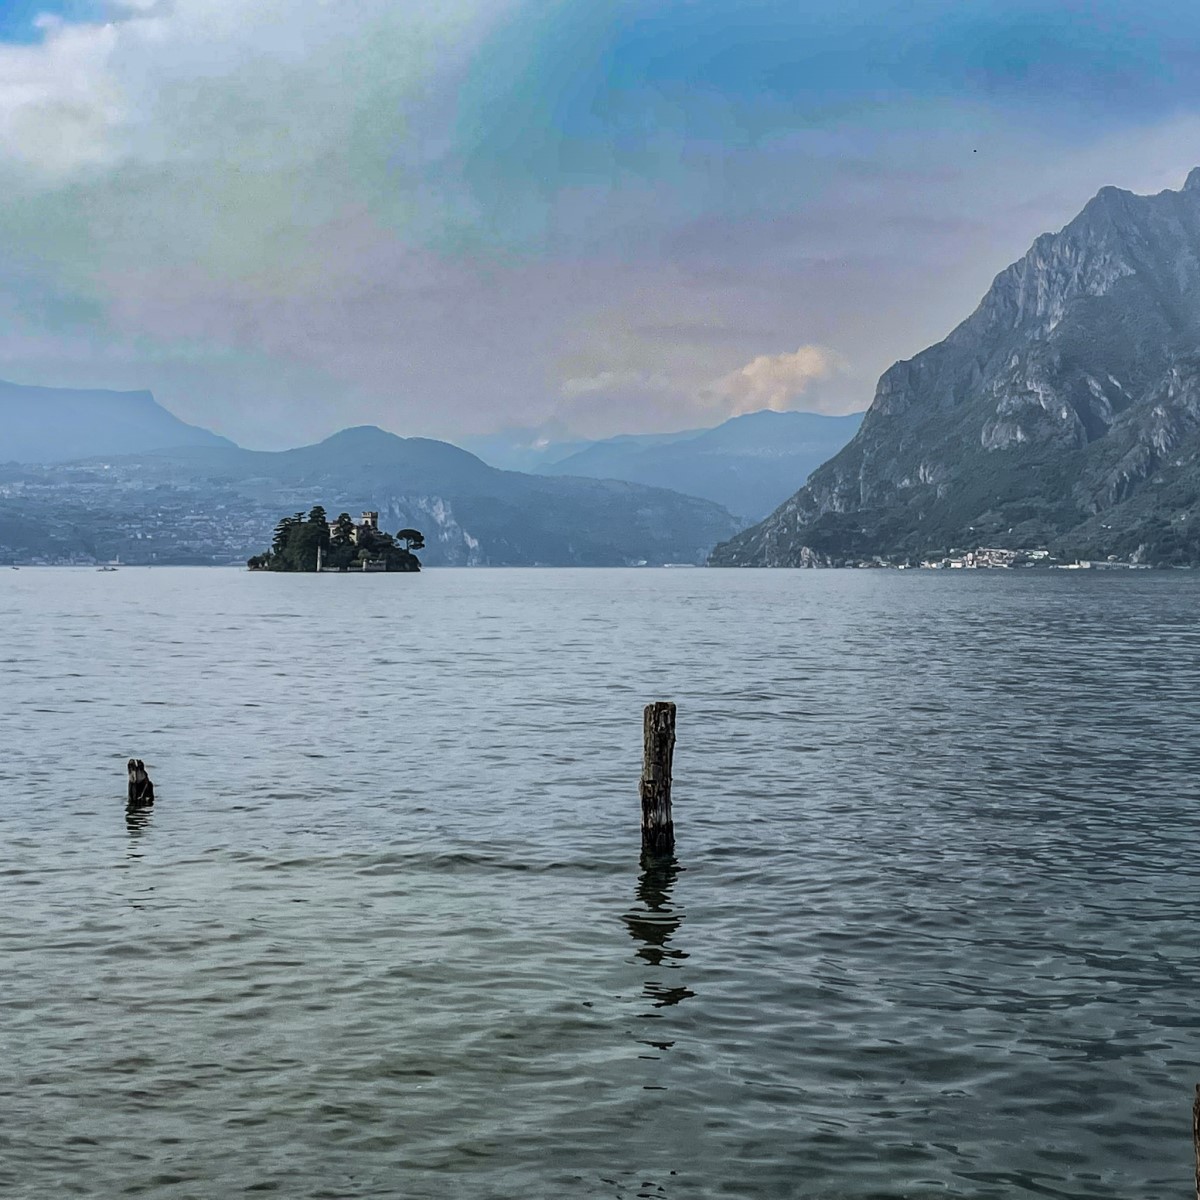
<point x="931" y="931"/>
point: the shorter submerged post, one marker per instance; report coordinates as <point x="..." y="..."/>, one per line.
<point x="658" y="829"/>
<point x="140" y="791"/>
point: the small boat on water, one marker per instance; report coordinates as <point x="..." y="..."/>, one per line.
<point x="112" y="566"/>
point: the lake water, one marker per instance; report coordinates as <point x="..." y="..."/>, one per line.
<point x="932" y="929"/>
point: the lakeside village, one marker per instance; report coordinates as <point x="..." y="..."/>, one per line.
<point x="995" y="558"/>
<point x="316" y="544"/>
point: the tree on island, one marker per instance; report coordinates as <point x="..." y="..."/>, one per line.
<point x="341" y="543"/>
<point x="343" y="532"/>
<point x="300" y="541"/>
<point x="283" y="531"/>
<point x="307" y="539"/>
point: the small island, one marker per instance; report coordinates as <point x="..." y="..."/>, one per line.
<point x="315" y="543"/>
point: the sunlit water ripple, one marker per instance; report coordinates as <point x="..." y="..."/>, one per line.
<point x="931" y="930"/>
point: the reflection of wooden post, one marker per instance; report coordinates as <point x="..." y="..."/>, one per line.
<point x="658" y="830"/>
<point x="1196" y="1136"/>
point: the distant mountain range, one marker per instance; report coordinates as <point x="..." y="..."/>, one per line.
<point x="219" y="503"/>
<point x="1064" y="412"/>
<point x="748" y="464"/>
<point x="652" y="498"/>
<point x="48" y="425"/>
<point x="475" y="514"/>
<point x="530" y="451"/>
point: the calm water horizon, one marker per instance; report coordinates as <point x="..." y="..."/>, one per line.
<point x="929" y="931"/>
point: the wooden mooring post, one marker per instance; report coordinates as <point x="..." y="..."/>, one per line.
<point x="658" y="726"/>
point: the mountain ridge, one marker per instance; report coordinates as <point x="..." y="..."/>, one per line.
<point x="47" y="425"/>
<point x="747" y="464"/>
<point x="223" y="501"/>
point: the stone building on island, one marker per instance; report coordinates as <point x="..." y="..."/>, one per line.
<point x="368" y="523"/>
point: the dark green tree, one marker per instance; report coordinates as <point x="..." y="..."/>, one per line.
<point x="413" y="539"/>
<point x="305" y="539"/>
<point x="282" y="532"/>
<point x="343" y="533"/>
<point x="319" y="522"/>
<point x="341" y="543"/>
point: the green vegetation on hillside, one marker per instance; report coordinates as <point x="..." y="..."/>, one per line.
<point x="301" y="543"/>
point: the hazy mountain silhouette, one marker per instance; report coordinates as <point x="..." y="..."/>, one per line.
<point x="48" y="425"/>
<point x="470" y="513"/>
<point x="749" y="464"/>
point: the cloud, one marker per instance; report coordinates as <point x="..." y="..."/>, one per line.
<point x="607" y="383"/>
<point x="58" y="101"/>
<point x="227" y="84"/>
<point x="290" y="215"/>
<point x="780" y="382"/>
<point x="667" y="399"/>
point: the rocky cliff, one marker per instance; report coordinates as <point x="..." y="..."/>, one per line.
<point x="1064" y="412"/>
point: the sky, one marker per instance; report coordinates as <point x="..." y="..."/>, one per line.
<point x="571" y="219"/>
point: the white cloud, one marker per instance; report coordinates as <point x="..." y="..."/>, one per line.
<point x="221" y="80"/>
<point x="58" y="100"/>
<point x="644" y="399"/>
<point x="780" y="382"/>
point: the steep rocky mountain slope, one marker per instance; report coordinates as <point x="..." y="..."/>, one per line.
<point x="1064" y="412"/>
<point x="48" y="425"/>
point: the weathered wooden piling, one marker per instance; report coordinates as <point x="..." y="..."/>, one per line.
<point x="1196" y="1136"/>
<point x="140" y="790"/>
<point x="658" y="829"/>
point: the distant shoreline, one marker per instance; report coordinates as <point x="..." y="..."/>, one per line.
<point x="1095" y="568"/>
